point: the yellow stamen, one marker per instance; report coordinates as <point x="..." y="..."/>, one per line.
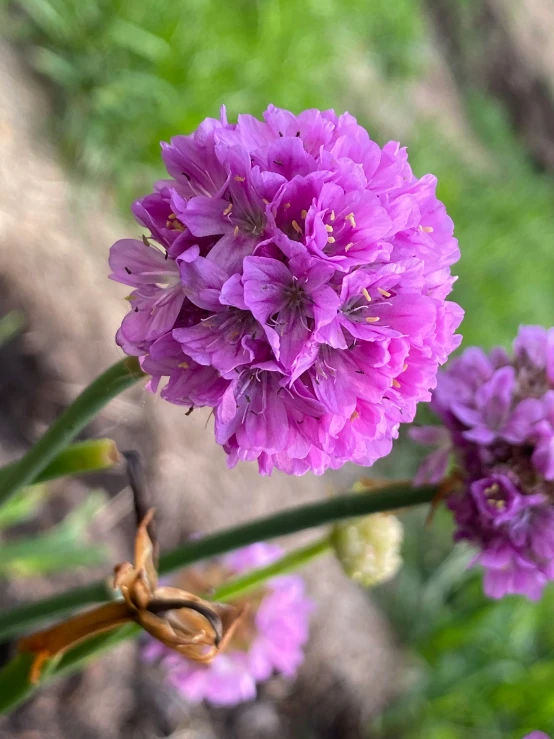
<point x="395" y="383"/>
<point x="404" y="366"/>
<point x="171" y="216"/>
<point x="331" y="240"/>
<point x="384" y="293"/>
<point x="354" y="416"/>
<point x="332" y="216"/>
<point x="238" y="178"/>
<point x="304" y="213"/>
<point x="367" y="296"/>
<point x="174" y="225"/>
<point x="296" y="227"/>
<point x="265" y="201"/>
<point x="184" y="365"/>
<point x="427" y="229"/>
<point x="348" y="246"/>
<point x="329" y="228"/>
<point x="236" y="232"/>
<point x="228" y="209"/>
<point x="350" y="217"/>
<point x="130" y="298"/>
<point x="372" y="319"/>
<point x="286" y="205"/>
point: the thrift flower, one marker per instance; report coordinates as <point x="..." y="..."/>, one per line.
<point x="498" y="420"/>
<point x="293" y="278"/>
<point x="269" y="639"/>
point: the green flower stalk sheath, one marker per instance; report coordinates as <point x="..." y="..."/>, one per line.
<point x="77" y="459"/>
<point x="392" y="496"/>
<point x="93" y="398"/>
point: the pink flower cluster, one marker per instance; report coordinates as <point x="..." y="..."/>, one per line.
<point x="294" y="280"/>
<point x="498" y="420"/>
<point x="271" y="641"/>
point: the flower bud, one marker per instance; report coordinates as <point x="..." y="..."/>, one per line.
<point x="369" y="548"/>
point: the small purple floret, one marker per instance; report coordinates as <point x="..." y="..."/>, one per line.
<point x="293" y="279"/>
<point x="498" y="422"/>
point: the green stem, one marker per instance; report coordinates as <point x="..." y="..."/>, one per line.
<point x="390" y="497"/>
<point x="93" y="398"/>
<point x="290" y="562"/>
<point x="14" y="682"/>
<point x="386" y="498"/>
<point x="76" y="459"/>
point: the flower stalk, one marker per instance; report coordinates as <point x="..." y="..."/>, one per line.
<point x="115" y="380"/>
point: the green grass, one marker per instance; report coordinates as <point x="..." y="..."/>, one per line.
<point x="504" y="217"/>
<point x="129" y="73"/>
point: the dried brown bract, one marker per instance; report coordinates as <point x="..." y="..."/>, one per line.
<point x="182" y="621"/>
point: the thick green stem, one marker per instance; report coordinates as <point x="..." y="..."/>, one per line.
<point x="76" y="459"/>
<point x="93" y="398"/>
<point x="390" y="497"/>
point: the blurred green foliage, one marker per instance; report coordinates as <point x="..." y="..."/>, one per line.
<point x="503" y="211"/>
<point x="476" y="668"/>
<point x="65" y="546"/>
<point x="129" y="73"/>
<point x="125" y="74"/>
<point x="22" y="506"/>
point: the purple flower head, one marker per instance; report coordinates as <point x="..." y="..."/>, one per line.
<point x="269" y="640"/>
<point x="293" y="279"/>
<point x="536" y="735"/>
<point x="498" y="423"/>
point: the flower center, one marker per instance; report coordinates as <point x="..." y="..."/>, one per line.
<point x="295" y="295"/>
<point x="174" y="224"/>
<point x="532" y="381"/>
<point x="495" y="497"/>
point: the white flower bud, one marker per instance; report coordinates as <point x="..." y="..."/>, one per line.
<point x="369" y="548"/>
